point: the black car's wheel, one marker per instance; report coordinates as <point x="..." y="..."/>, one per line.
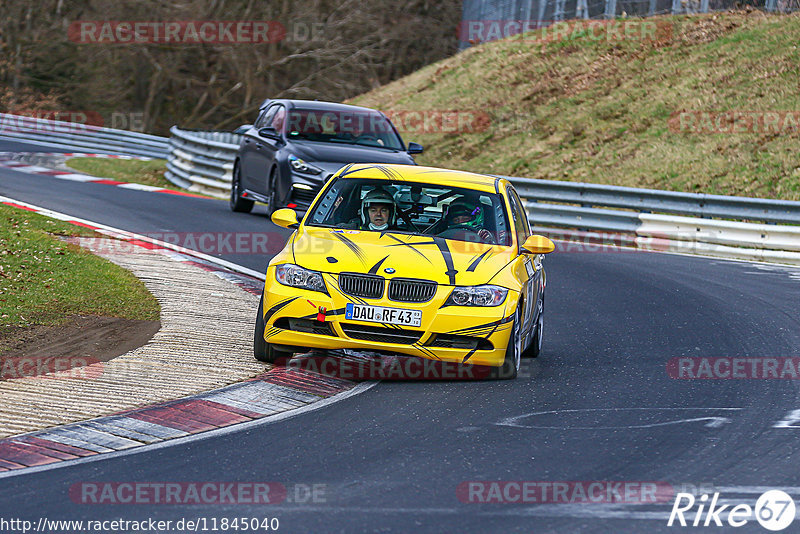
<point x="513" y="357"/>
<point x="237" y="203"/>
<point x="263" y="351"/>
<point x="271" y="196"/>
<point x="535" y="347"/>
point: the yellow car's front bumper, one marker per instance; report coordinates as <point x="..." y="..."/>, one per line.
<point x="300" y="318"/>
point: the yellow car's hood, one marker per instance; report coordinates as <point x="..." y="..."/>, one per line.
<point x="392" y="255"/>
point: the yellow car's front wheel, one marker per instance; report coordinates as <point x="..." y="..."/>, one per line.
<point x="263" y="351"/>
<point x="513" y="357"/>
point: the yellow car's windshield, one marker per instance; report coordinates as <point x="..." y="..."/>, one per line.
<point x="416" y="208"/>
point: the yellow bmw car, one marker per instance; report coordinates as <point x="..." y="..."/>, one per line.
<point x="410" y="260"/>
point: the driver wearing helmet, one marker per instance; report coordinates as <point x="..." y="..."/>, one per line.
<point x="378" y="211"/>
<point x="465" y="218"/>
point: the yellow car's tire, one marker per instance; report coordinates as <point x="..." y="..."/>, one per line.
<point x="263" y="351"/>
<point x="535" y="348"/>
<point x="511" y="364"/>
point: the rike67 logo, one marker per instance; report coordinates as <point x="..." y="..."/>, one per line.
<point x="774" y="510"/>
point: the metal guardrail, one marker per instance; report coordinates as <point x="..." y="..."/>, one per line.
<point x="202" y="161"/>
<point x="716" y="225"/>
<point x="653" y="200"/>
<point x="686" y="222"/>
<point x="81" y="137"/>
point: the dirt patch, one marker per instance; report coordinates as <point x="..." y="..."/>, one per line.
<point x="83" y="340"/>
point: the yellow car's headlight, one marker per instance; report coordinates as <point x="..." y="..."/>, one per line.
<point x="295" y="276"/>
<point x="487" y="295"/>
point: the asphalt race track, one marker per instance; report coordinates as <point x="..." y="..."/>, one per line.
<point x="598" y="406"/>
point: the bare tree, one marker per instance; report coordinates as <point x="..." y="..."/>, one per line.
<point x="331" y="50"/>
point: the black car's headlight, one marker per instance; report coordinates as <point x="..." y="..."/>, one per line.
<point x="295" y="276"/>
<point x="477" y="296"/>
<point x="301" y="166"/>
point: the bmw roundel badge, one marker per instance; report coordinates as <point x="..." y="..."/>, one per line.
<point x="388" y="270"/>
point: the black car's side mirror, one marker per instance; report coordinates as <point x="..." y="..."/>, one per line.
<point x="415" y="148"/>
<point x="270" y="133"/>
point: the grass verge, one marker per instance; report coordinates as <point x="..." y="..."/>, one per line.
<point x="147" y="172"/>
<point x="44" y="281"/>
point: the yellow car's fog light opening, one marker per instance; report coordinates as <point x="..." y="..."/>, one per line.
<point x="295" y="276"/>
<point x="477" y="296"/>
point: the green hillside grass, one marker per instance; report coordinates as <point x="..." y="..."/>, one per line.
<point x="45" y="281"/>
<point x="599" y="110"/>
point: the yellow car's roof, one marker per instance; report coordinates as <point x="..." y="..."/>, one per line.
<point x="417" y="173"/>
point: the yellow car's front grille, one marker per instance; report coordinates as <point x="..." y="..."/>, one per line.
<point x="411" y="290"/>
<point x="361" y="285"/>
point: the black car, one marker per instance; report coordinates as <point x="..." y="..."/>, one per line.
<point x="296" y="145"/>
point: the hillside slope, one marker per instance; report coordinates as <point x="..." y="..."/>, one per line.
<point x="609" y="111"/>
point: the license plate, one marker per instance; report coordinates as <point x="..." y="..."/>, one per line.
<point x="379" y="314"/>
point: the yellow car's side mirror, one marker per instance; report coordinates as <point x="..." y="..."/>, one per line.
<point x="285" y="217"/>
<point x="538" y="244"/>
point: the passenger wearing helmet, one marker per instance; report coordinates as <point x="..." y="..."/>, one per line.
<point x="464" y="220"/>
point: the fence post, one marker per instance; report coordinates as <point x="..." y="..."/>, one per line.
<point x="558" y="11"/>
<point x="611" y="9"/>
<point x="540" y="20"/>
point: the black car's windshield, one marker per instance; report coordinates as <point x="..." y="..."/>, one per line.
<point x="364" y="128"/>
<point x="416" y="208"/>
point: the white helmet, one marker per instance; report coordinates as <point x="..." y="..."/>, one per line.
<point x="378" y="196"/>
